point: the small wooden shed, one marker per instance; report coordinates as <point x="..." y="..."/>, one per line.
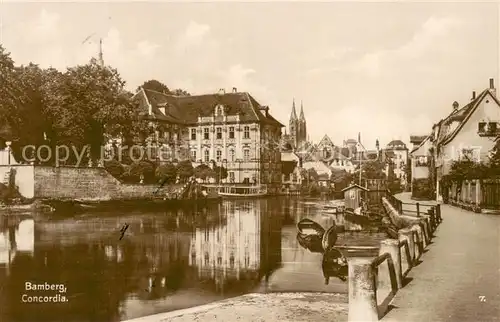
<point x="353" y="195"/>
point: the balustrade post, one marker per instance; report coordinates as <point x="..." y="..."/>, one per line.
<point x="362" y="291"/>
<point x="425" y="232"/>
<point x="438" y="213"/>
<point x="432" y="217"/>
<point x="426" y="225"/>
<point x="418" y="209"/>
<point x="420" y="245"/>
<point x="409" y="236"/>
<point x="391" y="246"/>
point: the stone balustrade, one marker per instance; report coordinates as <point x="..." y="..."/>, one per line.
<point x="373" y="283"/>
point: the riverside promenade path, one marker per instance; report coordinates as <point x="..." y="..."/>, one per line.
<point x="459" y="277"/>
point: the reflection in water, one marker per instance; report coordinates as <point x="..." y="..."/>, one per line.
<point x="165" y="261"/>
<point x="246" y="248"/>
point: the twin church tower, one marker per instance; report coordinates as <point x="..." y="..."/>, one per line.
<point x="297" y="127"/>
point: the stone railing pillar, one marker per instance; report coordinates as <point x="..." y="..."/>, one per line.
<point x="391" y="246"/>
<point x="432" y="217"/>
<point x="409" y="236"/>
<point x="362" y="291"/>
<point x="419" y="249"/>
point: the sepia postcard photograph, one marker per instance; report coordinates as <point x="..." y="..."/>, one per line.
<point x="250" y="161"/>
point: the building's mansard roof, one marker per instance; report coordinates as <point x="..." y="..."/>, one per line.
<point x="187" y="109"/>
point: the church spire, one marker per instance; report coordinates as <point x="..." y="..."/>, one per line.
<point x="293" y="116"/>
<point x="101" y="59"/>
<point x="302" y="117"/>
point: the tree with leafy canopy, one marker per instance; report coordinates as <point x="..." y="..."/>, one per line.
<point x="371" y="170"/>
<point x="166" y="172"/>
<point x="203" y="172"/>
<point x="494" y="158"/>
<point x="180" y="92"/>
<point x="340" y="178"/>
<point x="155" y="85"/>
<point x="312" y="174"/>
<point x="21" y="99"/>
<point x="88" y="104"/>
<point x="185" y="169"/>
<point x="220" y="173"/>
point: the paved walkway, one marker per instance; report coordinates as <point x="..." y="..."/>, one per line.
<point x="459" y="277"/>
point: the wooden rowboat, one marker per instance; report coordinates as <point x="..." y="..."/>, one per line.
<point x="310" y="235"/>
<point x="334" y="264"/>
<point x="329" y="237"/>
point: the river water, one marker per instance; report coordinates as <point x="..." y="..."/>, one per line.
<point x="164" y="261"/>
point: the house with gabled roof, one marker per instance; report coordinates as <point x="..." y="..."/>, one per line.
<point x="421" y="159"/>
<point x="326" y="147"/>
<point x="229" y="129"/>
<point x="467" y="132"/>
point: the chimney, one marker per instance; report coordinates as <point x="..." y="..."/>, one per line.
<point x="455" y="105"/>
<point x="222" y="91"/>
<point x="235" y="90"/>
<point x="473" y="95"/>
<point x="492" y="87"/>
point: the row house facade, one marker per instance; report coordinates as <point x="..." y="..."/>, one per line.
<point x="399" y="159"/>
<point x="469" y="132"/>
<point x="229" y="129"/>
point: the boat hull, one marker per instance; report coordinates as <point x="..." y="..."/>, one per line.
<point x="334" y="264"/>
<point x="236" y="195"/>
<point x="317" y="241"/>
<point x="310" y="241"/>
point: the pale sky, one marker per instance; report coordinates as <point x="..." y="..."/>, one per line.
<point x="386" y="69"/>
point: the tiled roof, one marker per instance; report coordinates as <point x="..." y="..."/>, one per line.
<point x="289" y="156"/>
<point x="458" y="118"/>
<point x="355" y="186"/>
<point x="319" y="166"/>
<point x="186" y="109"/>
<point x="396" y="145"/>
<point x="326" y="141"/>
<point x="417" y="139"/>
<point x="421" y="144"/>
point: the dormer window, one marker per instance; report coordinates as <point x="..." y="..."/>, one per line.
<point x="219" y="110"/>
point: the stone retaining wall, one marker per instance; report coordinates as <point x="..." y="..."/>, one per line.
<point x="91" y="184"/>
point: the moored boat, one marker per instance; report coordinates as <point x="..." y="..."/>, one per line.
<point x="310" y="235"/>
<point x="334" y="264"/>
<point x="329" y="237"/>
<point x="252" y="191"/>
